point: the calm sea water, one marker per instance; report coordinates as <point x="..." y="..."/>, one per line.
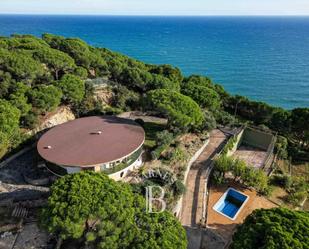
<point x="264" y="58"/>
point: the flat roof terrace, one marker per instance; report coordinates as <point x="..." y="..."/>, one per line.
<point x="91" y="141"/>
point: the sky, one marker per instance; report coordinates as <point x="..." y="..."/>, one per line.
<point x="156" y="7"/>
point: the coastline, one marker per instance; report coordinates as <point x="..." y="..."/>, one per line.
<point x="224" y="48"/>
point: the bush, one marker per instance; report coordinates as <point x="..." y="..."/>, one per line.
<point x="284" y="181"/>
<point x="223" y="164"/>
<point x="281" y="147"/>
<point x="224" y="118"/>
<point x="177" y="155"/>
<point x="155" y="154"/>
<point x="210" y="121"/>
<point x="140" y="121"/>
<point x="179" y="188"/>
<point x="229" y="145"/>
<point x="250" y="176"/>
<point x="4" y="144"/>
<point x="31" y="120"/>
<point x="164" y="137"/>
<point x="297" y="197"/>
<point x="239" y="168"/>
<point x="276" y="228"/>
<point x="298" y="190"/>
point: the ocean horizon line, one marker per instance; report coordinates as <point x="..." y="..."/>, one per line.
<point x="153" y="15"/>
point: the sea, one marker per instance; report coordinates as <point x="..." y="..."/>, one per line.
<point x="263" y="58"/>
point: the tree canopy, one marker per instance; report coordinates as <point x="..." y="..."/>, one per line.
<point x="73" y="88"/>
<point x="103" y="213"/>
<point x="9" y="118"/>
<point x="21" y="66"/>
<point x="9" y="125"/>
<point x="182" y="112"/>
<point x="203" y="95"/>
<point x="273" y="228"/>
<point x="46" y="97"/>
<point x="56" y="60"/>
<point x="43" y="62"/>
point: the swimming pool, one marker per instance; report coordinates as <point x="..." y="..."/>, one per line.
<point x="230" y="203"/>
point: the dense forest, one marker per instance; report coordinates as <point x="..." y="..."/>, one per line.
<point x="39" y="74"/>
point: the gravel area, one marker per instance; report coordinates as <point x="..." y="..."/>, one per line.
<point x="12" y="183"/>
<point x="12" y="173"/>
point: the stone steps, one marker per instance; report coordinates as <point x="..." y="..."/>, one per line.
<point x="20" y="212"/>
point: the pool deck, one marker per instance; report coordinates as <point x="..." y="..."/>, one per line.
<point x="224" y="226"/>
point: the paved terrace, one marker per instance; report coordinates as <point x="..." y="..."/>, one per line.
<point x="254" y="157"/>
<point x="192" y="206"/>
<point x="224" y="226"/>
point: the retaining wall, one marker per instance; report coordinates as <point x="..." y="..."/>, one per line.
<point x="178" y="207"/>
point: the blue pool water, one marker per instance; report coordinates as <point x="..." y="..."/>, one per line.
<point x="230" y="203"/>
<point x="264" y="58"/>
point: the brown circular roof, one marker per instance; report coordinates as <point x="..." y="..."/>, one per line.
<point x="91" y="141"/>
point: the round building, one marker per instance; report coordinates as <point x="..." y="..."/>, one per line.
<point x="100" y="143"/>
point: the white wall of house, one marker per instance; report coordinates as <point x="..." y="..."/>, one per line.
<point x="115" y="176"/>
<point x="122" y="173"/>
<point x="72" y="170"/>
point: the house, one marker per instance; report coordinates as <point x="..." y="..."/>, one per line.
<point x="100" y="143"/>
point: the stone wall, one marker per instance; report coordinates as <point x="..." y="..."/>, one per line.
<point x="178" y="207"/>
<point x="238" y="139"/>
<point x="258" y="139"/>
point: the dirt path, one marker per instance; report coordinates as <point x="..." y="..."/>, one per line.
<point x="192" y="206"/>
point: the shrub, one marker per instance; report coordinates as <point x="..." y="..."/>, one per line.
<point x="140" y="121"/>
<point x="229" y="145"/>
<point x="4" y="144"/>
<point x="179" y="188"/>
<point x="210" y="121"/>
<point x="239" y="168"/>
<point x="281" y="147"/>
<point x="284" y="181"/>
<point x="164" y="137"/>
<point x="250" y="176"/>
<point x="156" y="153"/>
<point x="31" y="120"/>
<point x="276" y="228"/>
<point x="177" y="155"/>
<point x="297" y="197"/>
<point x="223" y="164"/>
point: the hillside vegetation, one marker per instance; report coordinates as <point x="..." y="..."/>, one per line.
<point x="39" y="74"/>
<point x="273" y="228"/>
